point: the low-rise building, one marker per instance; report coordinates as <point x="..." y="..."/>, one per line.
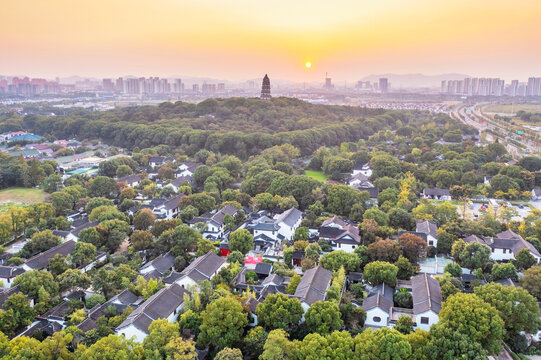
<point x="203" y="268"/>
<point x="340" y="234"/>
<point x="313" y="286"/>
<point x="505" y="245"/>
<point x="436" y="194"/>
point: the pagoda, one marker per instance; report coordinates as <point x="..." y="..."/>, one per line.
<point x="265" y="89"/>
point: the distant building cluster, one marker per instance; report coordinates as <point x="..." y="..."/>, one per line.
<point x="156" y="85"/>
<point x="28" y="87"/>
<point x="491" y="87"/>
<point x="383" y="85"/>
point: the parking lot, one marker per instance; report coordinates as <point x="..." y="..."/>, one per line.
<point x="475" y="210"/>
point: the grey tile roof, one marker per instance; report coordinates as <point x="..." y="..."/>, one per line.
<point x="263" y="268"/>
<point x="314" y="285"/>
<point x="86" y="225"/>
<point x="162" y="263"/>
<point x="173" y="203"/>
<point x="181" y="180"/>
<point x="436" y="192"/>
<point x="159" y="306"/>
<point x="8" y="272"/>
<point x="130" y="179"/>
<point x="41" y="260"/>
<point x="427" y="227"/>
<point x="7" y="292"/>
<point x="426" y="294"/>
<point x="273" y="278"/>
<point x="200" y="269"/>
<point x="289" y="217"/>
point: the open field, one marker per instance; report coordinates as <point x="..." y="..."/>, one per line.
<point x="21" y="196"/>
<point x="316" y="175"/>
<point x="510" y="109"/>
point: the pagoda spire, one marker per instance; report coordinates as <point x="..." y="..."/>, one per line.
<point x="265" y="89"/>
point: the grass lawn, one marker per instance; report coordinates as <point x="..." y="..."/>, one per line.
<point x="507" y="109"/>
<point x="21" y="196"/>
<point x="316" y="175"/>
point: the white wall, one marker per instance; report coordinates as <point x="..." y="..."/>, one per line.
<point x="433" y="318"/>
<point x="376" y="312"/>
<point x="131" y="331"/>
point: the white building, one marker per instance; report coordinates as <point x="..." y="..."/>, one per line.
<point x="165" y="304"/>
<point x="505" y="245"/>
<point x="313" y="286"/>
<point x="203" y="268"/>
<point x="340" y="234"/>
<point x="8" y="274"/>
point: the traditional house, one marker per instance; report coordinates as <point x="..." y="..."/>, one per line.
<point x="187" y="169"/>
<point x="41" y="260"/>
<point x="202" y="268"/>
<point x="288" y="222"/>
<point x="168" y="209"/>
<point x="362" y="168"/>
<point x="430" y="229"/>
<point x="505" y="245"/>
<point x="215" y="226"/>
<point x="159" y="160"/>
<point x="357" y="179"/>
<point x="436" y="194"/>
<point x="8" y="274"/>
<point x="158" y="266"/>
<point x="378" y="305"/>
<point x="130" y="180"/>
<point x="179" y="181"/>
<point x="536" y="194"/>
<point x="313" y="286"/>
<point x="340" y="234"/>
<point x="165" y="304"/>
<point x="426" y="293"/>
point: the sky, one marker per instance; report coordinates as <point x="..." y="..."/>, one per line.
<point x="244" y="39"/>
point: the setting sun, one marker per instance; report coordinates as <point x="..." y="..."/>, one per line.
<point x="308" y="64"/>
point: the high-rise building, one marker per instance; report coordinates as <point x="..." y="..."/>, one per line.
<point x="384" y="85"/>
<point x="108" y="85"/>
<point x="443" y="86"/>
<point x="195" y="88"/>
<point x="178" y="86"/>
<point x="221" y="87"/>
<point x="328" y="83"/>
<point x="266" y="88"/>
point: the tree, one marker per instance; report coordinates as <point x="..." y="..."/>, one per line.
<point x="179" y="349"/>
<point x="277" y="346"/>
<point x="524" y="259"/>
<point x="241" y="240"/>
<point x="341" y="199"/>
<point x="517" y="308"/>
<point x="279" y="312"/>
<point x="97" y="201"/>
<point x="405" y="269"/>
<point x="141" y="240"/>
<point x="474" y="256"/>
<point x="336" y="259"/>
<point x="103" y="186"/>
<point x="91" y="236"/>
<point x="376" y="214"/>
<point x="378" y="272"/>
<point x="254" y="342"/>
<point x="57" y="265"/>
<point x="204" y="246"/>
<point x="83" y="254"/>
<point x="112" y="347"/>
<point x="400" y="218"/>
<point x="384" y="250"/>
<point x="413" y="246"/>
<point x="384" y="165"/>
<point x="105" y="212"/>
<point x="453" y="269"/>
<point x="19" y="307"/>
<point x="41" y="241"/>
<point x="504" y="271"/>
<point x="404" y="325"/>
<point x="223" y="323"/>
<point x="72" y="279"/>
<point x="474" y="318"/>
<point x="445" y="241"/>
<point x="32" y="281"/>
<point x="382" y="344"/>
<point x="531" y="281"/>
<point x="160" y="333"/>
<point x="312" y="251"/>
<point x="143" y="219"/>
<point x="446" y="343"/>
<point x="323" y="317"/>
<point x="293" y="283"/>
<point x="229" y="354"/>
<point x="301" y="234"/>
<point x="94" y="300"/>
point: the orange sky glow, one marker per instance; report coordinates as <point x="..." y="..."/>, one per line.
<point x="240" y="39"/>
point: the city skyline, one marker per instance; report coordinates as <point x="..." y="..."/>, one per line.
<point x="241" y="40"/>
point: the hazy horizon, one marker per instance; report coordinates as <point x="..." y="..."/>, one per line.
<point x="240" y="39"/>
